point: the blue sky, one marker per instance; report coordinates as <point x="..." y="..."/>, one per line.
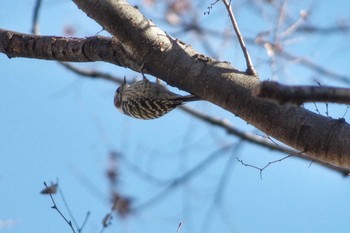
<point x="57" y="125"/>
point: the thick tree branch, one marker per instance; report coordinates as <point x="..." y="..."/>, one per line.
<point x="147" y="48"/>
<point x="96" y="48"/>
<point x="222" y="123"/>
<point x="322" y="138"/>
<point x="301" y="94"/>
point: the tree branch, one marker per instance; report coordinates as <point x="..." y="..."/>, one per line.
<point x="35" y="24"/>
<point x="92" y="73"/>
<point x="223" y="124"/>
<point x="96" y="48"/>
<point x="250" y="68"/>
<point x="301" y="94"/>
<point x="141" y="44"/>
<point x="322" y="138"/>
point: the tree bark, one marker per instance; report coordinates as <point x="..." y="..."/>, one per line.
<point x="322" y="138"/>
<point x="148" y="49"/>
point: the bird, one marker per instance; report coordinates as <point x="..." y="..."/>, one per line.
<point x="147" y="100"/>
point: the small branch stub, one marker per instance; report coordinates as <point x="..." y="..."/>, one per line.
<point x="301" y="94"/>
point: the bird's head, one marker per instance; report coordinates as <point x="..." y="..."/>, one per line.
<point x="119" y="94"/>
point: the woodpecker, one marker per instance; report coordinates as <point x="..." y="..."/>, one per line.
<point x="147" y="100"/>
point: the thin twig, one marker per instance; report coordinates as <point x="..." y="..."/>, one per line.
<point x="84" y="222"/>
<point x="84" y="179"/>
<point x="230" y="129"/>
<point x="184" y="178"/>
<point x="316" y="109"/>
<point x="60" y="213"/>
<point x="225" y="174"/>
<point x="325" y="31"/>
<point x="276" y="49"/>
<point x="346" y="110"/>
<point x="250" y="68"/>
<point x="91" y="73"/>
<point x="141" y="173"/>
<point x="292" y="28"/>
<point x="322" y="70"/>
<point x="179" y="228"/>
<point x="216" y="202"/>
<point x="282" y="6"/>
<point x="35" y="22"/>
<point x="263" y="168"/>
<point x="107" y="220"/>
<point x="68" y="209"/>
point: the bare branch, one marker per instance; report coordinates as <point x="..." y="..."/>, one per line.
<point x="230" y="129"/>
<point x="59" y="211"/>
<point x="35" y="24"/>
<point x="261" y="169"/>
<point x="268" y="143"/>
<point x="65" y="203"/>
<point x="96" y="48"/>
<point x="144" y="45"/>
<point x="313" y="66"/>
<point x="222" y="123"/>
<point x="250" y="68"/>
<point x="325" y="31"/>
<point x="293" y="27"/>
<point x="276" y="49"/>
<point x="107" y="221"/>
<point x="179" y="228"/>
<point x="92" y="73"/>
<point x="301" y="94"/>
<point x="185" y="177"/>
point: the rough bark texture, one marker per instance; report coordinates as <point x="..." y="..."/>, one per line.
<point x="97" y="48"/>
<point x="147" y="48"/>
<point x="322" y="138"/>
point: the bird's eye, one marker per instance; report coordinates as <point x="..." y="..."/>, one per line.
<point x="117" y="97"/>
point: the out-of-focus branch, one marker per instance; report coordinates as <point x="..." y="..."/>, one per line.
<point x="35" y="24"/>
<point x="301" y="94"/>
<point x="326" y="31"/>
<point x="92" y="73"/>
<point x="313" y="66"/>
<point x="277" y="49"/>
<point x="185" y="177"/>
<point x="230" y="129"/>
